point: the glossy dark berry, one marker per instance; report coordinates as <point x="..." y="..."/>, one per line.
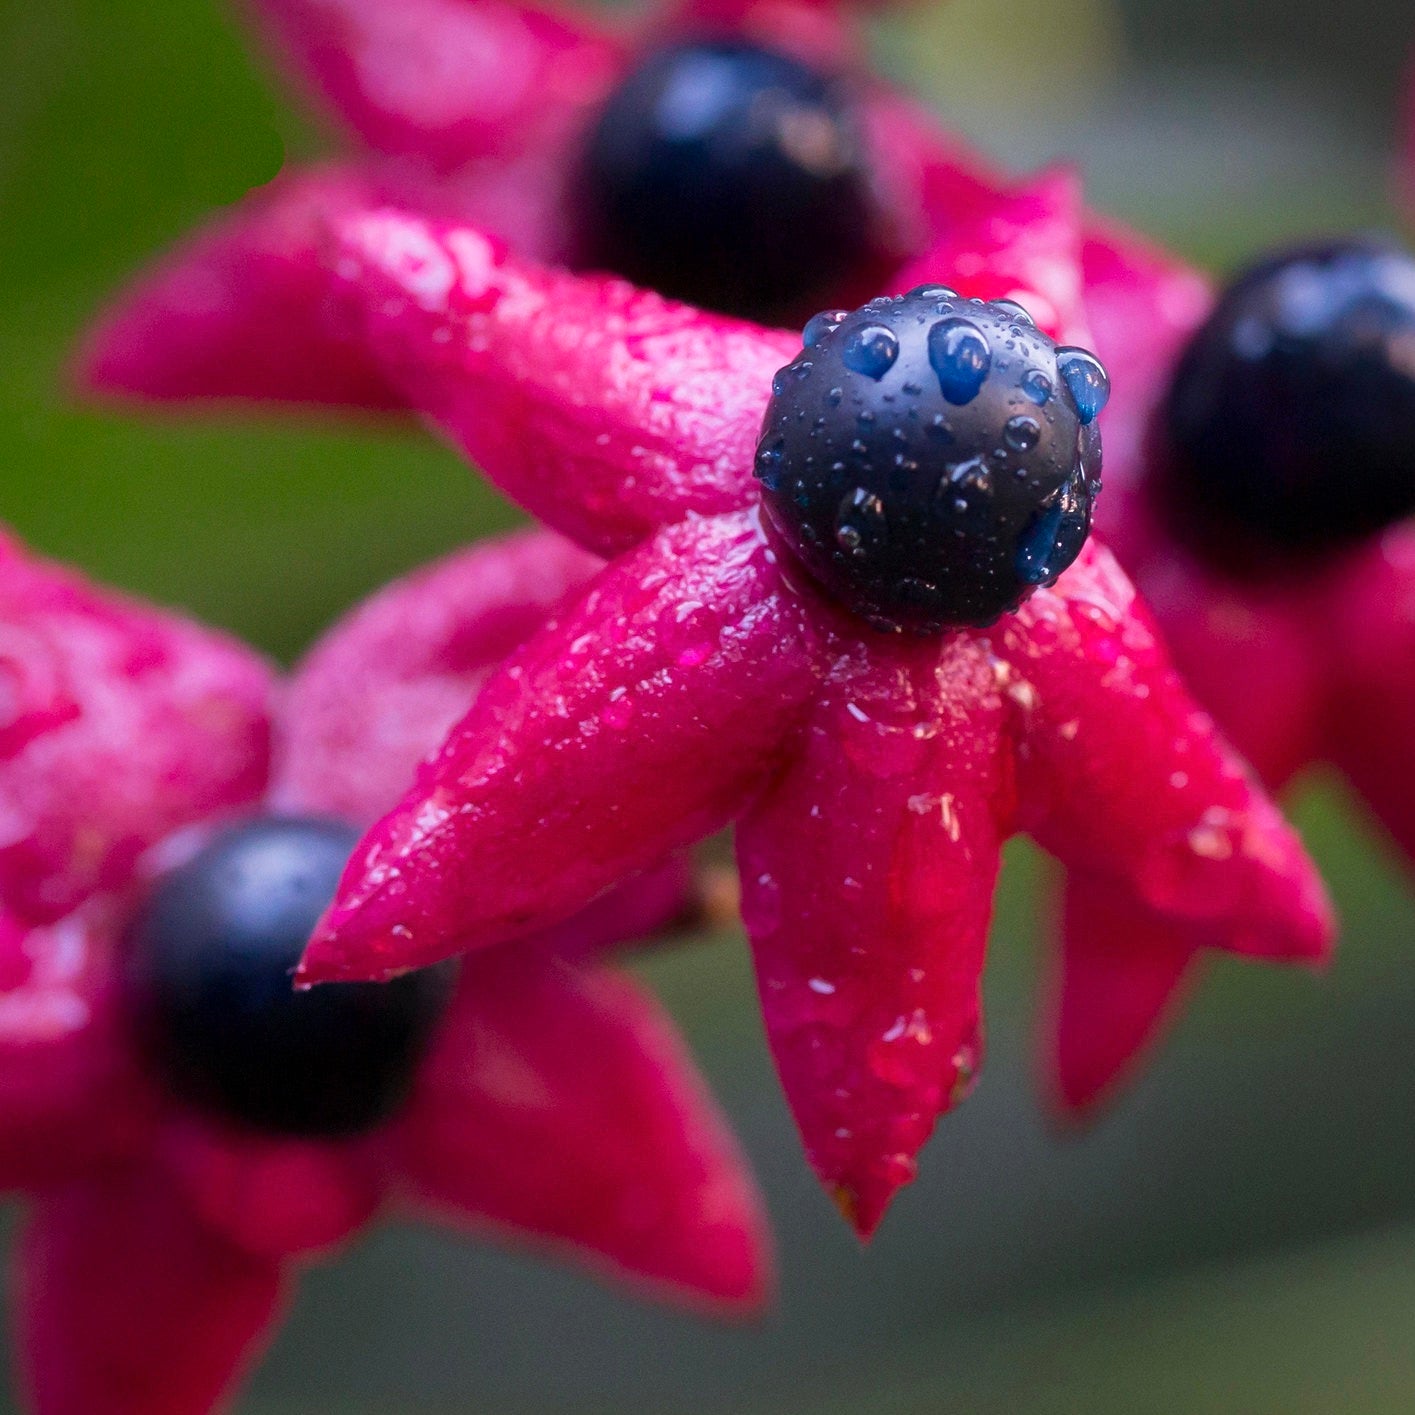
<point x="727" y="175"/>
<point x="1289" y="427"/>
<point x="211" y="952"/>
<point x="932" y="460"/>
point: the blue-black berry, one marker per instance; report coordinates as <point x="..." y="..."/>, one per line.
<point x="932" y="460"/>
<point x="730" y="176"/>
<point x="1289" y="425"/>
<point x="210" y="956"/>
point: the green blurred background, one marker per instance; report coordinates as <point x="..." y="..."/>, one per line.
<point x="1239" y="1234"/>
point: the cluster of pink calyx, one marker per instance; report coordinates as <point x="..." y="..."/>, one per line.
<point x="731" y="666"/>
<point x="850" y="609"/>
<point x="176" y="1176"/>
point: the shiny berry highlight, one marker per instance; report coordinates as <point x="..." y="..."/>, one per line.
<point x="727" y="175"/>
<point x="1289" y="424"/>
<point x="211" y="953"/>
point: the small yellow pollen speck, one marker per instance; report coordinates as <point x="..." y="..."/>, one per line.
<point x="848" y="1202"/>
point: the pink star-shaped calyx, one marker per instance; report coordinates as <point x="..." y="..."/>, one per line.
<point x="732" y="666"/>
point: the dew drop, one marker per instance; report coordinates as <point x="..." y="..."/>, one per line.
<point x="1037" y="386"/>
<point x="820" y="327"/>
<point x="769" y="457"/>
<point x="1037" y="547"/>
<point x="1018" y="312"/>
<point x="619" y="710"/>
<point x="1055" y="535"/>
<point x="860" y="521"/>
<point x="1087" y="379"/>
<point x="960" y="357"/>
<point x="871" y="351"/>
<point x="1022" y="433"/>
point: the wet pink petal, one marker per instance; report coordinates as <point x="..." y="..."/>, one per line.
<point x="867" y="876"/>
<point x="383" y="687"/>
<point x="239" y="310"/>
<point x="665" y="897"/>
<point x="118" y="724"/>
<point x="445" y="81"/>
<point x="242" y="311"/>
<point x="1125" y="779"/>
<point x="69" y="1093"/>
<point x="606" y="411"/>
<point x="268" y="1195"/>
<point x="819" y="31"/>
<point x="1122" y="973"/>
<point x="1246" y="653"/>
<point x="626" y="1160"/>
<point x="127" y="1305"/>
<point x="1369" y="644"/>
<point x="1022" y="245"/>
<point x="927" y="178"/>
<point x="636" y="723"/>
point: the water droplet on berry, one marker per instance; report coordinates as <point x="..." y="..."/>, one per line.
<point x="1055" y="535"/>
<point x="818" y="326"/>
<point x="931" y="292"/>
<point x="1087" y="379"/>
<point x="769" y="456"/>
<point x="860" y="524"/>
<point x="1037" y="386"/>
<point x="1038" y="545"/>
<point x="1016" y="311"/>
<point x="960" y="356"/>
<point x="1021" y="433"/>
<point x="871" y="351"/>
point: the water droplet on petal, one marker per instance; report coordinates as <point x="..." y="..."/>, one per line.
<point x="619" y="710"/>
